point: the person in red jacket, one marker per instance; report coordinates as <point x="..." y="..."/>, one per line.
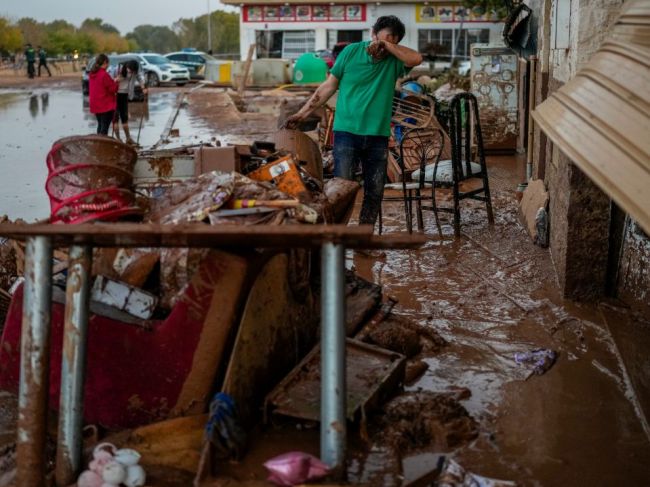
<point x="102" y="90"/>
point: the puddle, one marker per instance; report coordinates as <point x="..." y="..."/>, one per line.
<point x="31" y="121"/>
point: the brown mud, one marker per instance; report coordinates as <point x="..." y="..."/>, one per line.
<point x="489" y="294"/>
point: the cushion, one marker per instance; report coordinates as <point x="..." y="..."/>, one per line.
<point x="398" y="186"/>
<point x="444" y="174"/>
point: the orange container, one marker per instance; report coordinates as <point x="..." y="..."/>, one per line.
<point x="284" y="173"/>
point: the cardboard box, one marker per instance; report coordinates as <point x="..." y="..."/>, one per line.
<point x="225" y="159"/>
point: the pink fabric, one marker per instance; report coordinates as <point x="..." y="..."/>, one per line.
<point x="102" y="89"/>
<point x="295" y="468"/>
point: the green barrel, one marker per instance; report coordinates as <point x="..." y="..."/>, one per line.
<point x="309" y="68"/>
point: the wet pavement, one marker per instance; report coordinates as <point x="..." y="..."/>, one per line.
<point x="493" y="293"/>
<point x="30" y="121"/>
<point x="490" y="294"/>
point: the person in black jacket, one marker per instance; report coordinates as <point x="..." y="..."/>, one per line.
<point x="30" y="57"/>
<point x="42" y="61"/>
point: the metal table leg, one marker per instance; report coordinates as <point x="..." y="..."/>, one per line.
<point x="333" y="388"/>
<point x="34" y="363"/>
<point x="73" y="366"/>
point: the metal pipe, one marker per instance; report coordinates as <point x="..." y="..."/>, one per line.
<point x="73" y="361"/>
<point x="333" y="388"/>
<point x="34" y="363"/>
<point x="532" y="86"/>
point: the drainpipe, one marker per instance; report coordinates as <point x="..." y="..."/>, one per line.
<point x="532" y="86"/>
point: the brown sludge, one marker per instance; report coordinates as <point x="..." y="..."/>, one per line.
<point x="425" y="420"/>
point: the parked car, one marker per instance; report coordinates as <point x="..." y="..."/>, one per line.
<point x="114" y="62"/>
<point x="194" y="61"/>
<point x="158" y="69"/>
<point x="327" y="56"/>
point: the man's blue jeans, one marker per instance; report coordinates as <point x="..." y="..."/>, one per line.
<point x="372" y="152"/>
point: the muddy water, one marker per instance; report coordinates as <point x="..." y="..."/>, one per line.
<point x="31" y="121"/>
<point x="491" y="294"/>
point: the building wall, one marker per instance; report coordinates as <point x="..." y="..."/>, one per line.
<point x="406" y="12"/>
<point x="579" y="211"/>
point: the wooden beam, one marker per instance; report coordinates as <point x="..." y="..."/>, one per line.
<point x="202" y="235"/>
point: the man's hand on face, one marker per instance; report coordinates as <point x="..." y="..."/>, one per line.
<point x="377" y="49"/>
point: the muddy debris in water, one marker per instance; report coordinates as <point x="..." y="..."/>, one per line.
<point x="398" y="339"/>
<point x="414" y="370"/>
<point x="417" y="420"/>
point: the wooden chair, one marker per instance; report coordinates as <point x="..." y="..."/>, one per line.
<point x="467" y="161"/>
<point x="418" y="148"/>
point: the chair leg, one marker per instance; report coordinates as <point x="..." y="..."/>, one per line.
<point x="456" y="210"/>
<point x="435" y="209"/>
<point x="488" y="199"/>
<point x="418" y="208"/>
<point x="407" y="212"/>
<point x="381" y="220"/>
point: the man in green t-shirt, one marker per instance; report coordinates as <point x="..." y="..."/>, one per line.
<point x="365" y="74"/>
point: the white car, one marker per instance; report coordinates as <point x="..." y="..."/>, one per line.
<point x="158" y="69"/>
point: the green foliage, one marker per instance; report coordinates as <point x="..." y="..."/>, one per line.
<point x="60" y="37"/>
<point x="98" y="24"/>
<point x="500" y="7"/>
<point x="154" y="38"/>
<point x="224" y="29"/>
<point x="11" y="38"/>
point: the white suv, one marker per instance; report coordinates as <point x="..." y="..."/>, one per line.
<point x="158" y="69"/>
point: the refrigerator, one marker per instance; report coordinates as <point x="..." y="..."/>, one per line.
<point x="494" y="82"/>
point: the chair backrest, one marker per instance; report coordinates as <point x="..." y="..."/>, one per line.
<point x="412" y="110"/>
<point x="418" y="148"/>
<point x="465" y="134"/>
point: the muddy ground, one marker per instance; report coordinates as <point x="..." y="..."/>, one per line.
<point x="489" y="294"/>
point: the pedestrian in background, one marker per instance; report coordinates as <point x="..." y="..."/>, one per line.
<point x="42" y="61"/>
<point x="30" y="57"/>
<point x="101" y="94"/>
<point x="129" y="75"/>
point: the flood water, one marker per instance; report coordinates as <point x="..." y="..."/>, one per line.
<point x="30" y="121"/>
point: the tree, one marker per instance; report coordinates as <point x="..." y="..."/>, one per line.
<point x="11" y="38"/>
<point x="224" y="30"/>
<point x="98" y="24"/>
<point x="155" y="38"/>
<point x="33" y="31"/>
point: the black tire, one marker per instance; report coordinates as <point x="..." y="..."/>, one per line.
<point x="152" y="79"/>
<point x="181" y="84"/>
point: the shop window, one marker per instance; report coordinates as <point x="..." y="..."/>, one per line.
<point x="349" y="36"/>
<point x="443" y="44"/>
<point x="296" y="43"/>
<point x="269" y="43"/>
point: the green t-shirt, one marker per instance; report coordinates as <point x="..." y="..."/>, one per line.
<point x="366" y="89"/>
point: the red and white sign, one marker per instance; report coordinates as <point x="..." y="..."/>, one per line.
<point x="304" y="13"/>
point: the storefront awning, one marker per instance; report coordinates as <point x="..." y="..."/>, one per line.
<point x="601" y="118"/>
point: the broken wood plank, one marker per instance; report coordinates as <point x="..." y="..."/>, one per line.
<point x="200" y="235"/>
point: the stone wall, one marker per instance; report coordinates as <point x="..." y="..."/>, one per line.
<point x="579" y="211"/>
<point x="634" y="269"/>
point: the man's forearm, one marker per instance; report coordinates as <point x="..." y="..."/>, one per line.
<point x="405" y="54"/>
<point x="320" y="96"/>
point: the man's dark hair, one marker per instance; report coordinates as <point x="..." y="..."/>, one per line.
<point x="390" y="22"/>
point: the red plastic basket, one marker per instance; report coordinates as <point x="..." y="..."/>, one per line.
<point x="106" y="204"/>
<point x="69" y="181"/>
<point x="91" y="149"/>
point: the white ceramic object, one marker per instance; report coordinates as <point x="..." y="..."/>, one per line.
<point x="89" y="479"/>
<point x="107" y="447"/>
<point x="135" y="476"/>
<point x="127" y="457"/>
<point x="114" y="473"/>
